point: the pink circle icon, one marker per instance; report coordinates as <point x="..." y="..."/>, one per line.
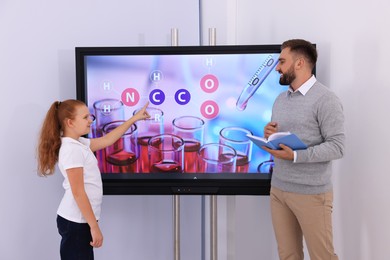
<point x="130" y="97"/>
<point x="209" y="83"/>
<point x="209" y="109"/>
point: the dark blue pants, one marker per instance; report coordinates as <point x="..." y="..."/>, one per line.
<point x="75" y="240"/>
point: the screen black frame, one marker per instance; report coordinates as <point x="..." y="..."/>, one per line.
<point x="146" y="184"/>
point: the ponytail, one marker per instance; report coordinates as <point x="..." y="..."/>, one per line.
<point x="50" y="136"/>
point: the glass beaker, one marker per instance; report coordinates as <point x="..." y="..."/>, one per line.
<point x="122" y="156"/>
<point x="166" y="154"/>
<point x="216" y="158"/>
<point x="191" y="130"/>
<point x="237" y="138"/>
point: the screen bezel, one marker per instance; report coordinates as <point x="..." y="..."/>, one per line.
<point x="146" y="184"/>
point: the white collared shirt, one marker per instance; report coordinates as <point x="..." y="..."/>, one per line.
<point x="305" y="87"/>
<point x="74" y="154"/>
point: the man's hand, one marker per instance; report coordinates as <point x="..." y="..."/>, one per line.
<point x="286" y="153"/>
<point x="270" y="128"/>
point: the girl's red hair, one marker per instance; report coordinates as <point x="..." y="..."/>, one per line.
<point x="50" y="136"/>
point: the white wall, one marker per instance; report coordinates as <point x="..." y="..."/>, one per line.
<point x="37" y="66"/>
<point x="353" y="44"/>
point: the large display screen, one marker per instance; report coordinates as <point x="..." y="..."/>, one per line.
<point x="203" y="101"/>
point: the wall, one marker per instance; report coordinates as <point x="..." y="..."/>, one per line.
<point x="37" y="67"/>
<point x="352" y="41"/>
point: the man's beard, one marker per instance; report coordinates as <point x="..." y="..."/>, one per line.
<point x="288" y="77"/>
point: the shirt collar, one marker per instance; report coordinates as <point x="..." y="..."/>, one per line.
<point x="305" y="87"/>
<point x="80" y="141"/>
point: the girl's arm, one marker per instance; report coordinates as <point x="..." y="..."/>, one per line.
<point x="76" y="180"/>
<point x="114" y="135"/>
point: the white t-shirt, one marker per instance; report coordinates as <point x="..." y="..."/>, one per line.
<point x="74" y="154"/>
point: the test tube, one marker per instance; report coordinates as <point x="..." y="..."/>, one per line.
<point x="257" y="79"/>
<point x="237" y="138"/>
<point x="266" y="166"/>
<point x="106" y="111"/>
<point x="146" y="129"/>
<point x="191" y="129"/>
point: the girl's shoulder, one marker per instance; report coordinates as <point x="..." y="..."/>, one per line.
<point x="70" y="143"/>
<point x="85" y="141"/>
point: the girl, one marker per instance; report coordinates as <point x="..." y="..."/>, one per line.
<point x="61" y="141"/>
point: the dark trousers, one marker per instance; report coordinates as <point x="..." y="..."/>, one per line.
<point x="75" y="240"/>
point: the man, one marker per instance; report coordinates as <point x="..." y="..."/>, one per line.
<point x="301" y="187"/>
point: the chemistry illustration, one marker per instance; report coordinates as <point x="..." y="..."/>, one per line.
<point x="201" y="107"/>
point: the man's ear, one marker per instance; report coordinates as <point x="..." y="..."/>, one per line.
<point x="300" y="63"/>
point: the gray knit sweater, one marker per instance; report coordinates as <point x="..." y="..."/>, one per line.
<point x="317" y="118"/>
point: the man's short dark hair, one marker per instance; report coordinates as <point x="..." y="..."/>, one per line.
<point x="302" y="47"/>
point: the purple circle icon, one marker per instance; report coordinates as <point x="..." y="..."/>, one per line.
<point x="182" y="96"/>
<point x="157" y="97"/>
